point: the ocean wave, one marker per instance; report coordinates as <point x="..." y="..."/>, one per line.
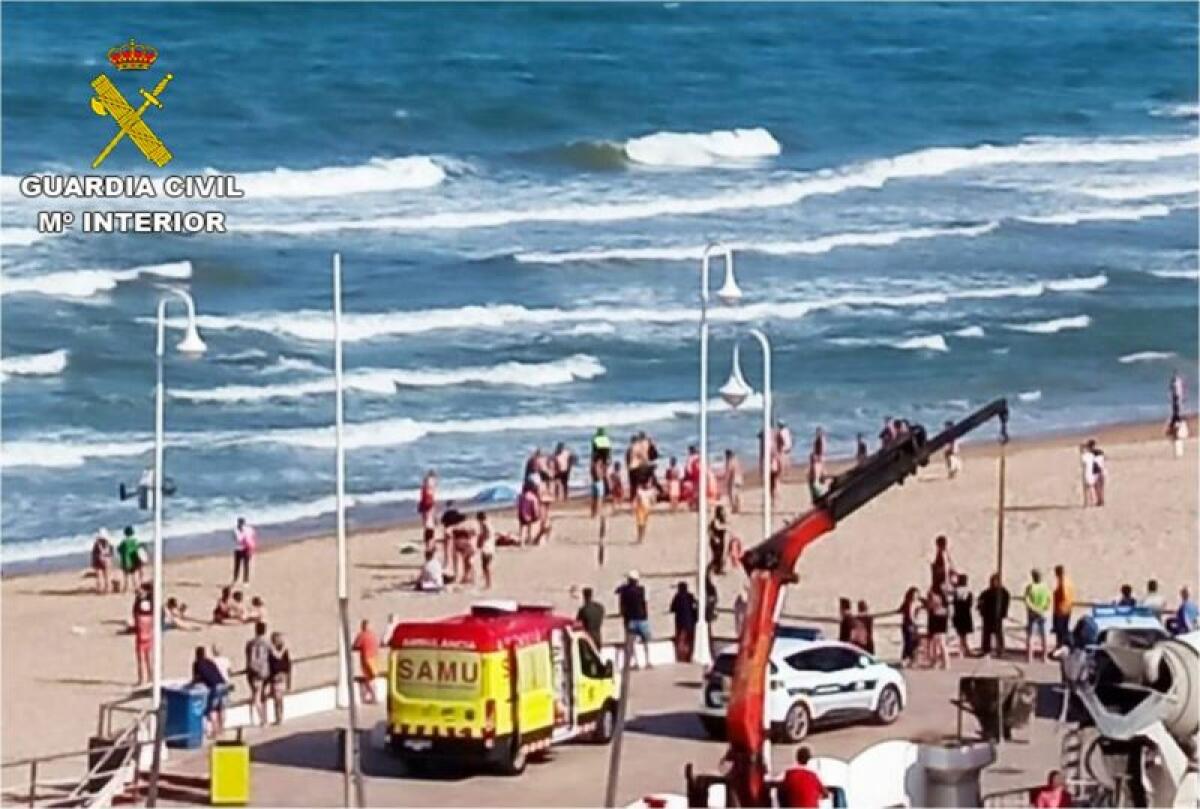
<point x="315" y="326"/>
<point x="287" y="365"/>
<point x="920" y="342"/>
<point x="721" y="147"/>
<point x="64" y="453"/>
<point x="1176" y="111"/>
<point x="1146" y="356"/>
<point x="1029" y="395"/>
<point x="814" y="246"/>
<point x="1144" y="189"/>
<point x="872" y="174"/>
<point x="1188" y="275"/>
<point x="1086" y="284"/>
<point x="1052" y="326"/>
<point x="21" y="237"/>
<point x="375" y="176"/>
<point x="386" y="381"/>
<point x="86" y="283"/>
<point x="51" y="363"/>
<point x="1126" y="214"/>
<point x="969" y="331"/>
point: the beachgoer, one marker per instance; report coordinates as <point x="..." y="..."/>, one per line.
<point x="223" y="663"/>
<point x="845" y="620"/>
<point x="256" y="612"/>
<point x="1127" y="598"/>
<point x="206" y="672"/>
<point x="1154" y="600"/>
<point x="616" y="485"/>
<point x="487" y="548"/>
<point x="599" y="490"/>
<point x="432" y="578"/>
<point x="591" y="617"/>
<point x="941" y="569"/>
<point x="674" y="476"/>
<point x="783" y="444"/>
<point x="819" y="443"/>
<point x="366" y="643"/>
<point x="1187" y="616"/>
<point x="631" y="597"/>
<point x="258" y="672"/>
<point x="1177" y="431"/>
<point x="772" y="446"/>
<point x="224" y="611"/>
<point x="993" y="610"/>
<point x="245" y="541"/>
<point x="1054" y="794"/>
<point x="642" y="506"/>
<point x="735" y="550"/>
<point x="686" y="610"/>
<point x="910" y="634"/>
<point x="816" y="478"/>
<point x="279" y="664"/>
<point x="1176" y="390"/>
<point x="1038" y="600"/>
<point x="130" y="554"/>
<point x="962" y="614"/>
<point x="953" y="456"/>
<point x="740" y="606"/>
<point x="427" y="499"/>
<point x="718" y="530"/>
<point x="733" y="481"/>
<point x="861" y="453"/>
<point x="1087" y="468"/>
<point x="564" y="461"/>
<point x="888" y="434"/>
<point x="601" y="446"/>
<point x="1064" y="603"/>
<point x="528" y="514"/>
<point x="545" y="502"/>
<point x="1100" y="465"/>
<point x="937" y="626"/>
<point x="175" y="616"/>
<point x="802" y="787"/>
<point x="102" y="553"/>
<point x="464" y="553"/>
<point x="862" y="634"/>
<point x="143" y="631"/>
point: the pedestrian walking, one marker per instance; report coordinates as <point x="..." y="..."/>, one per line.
<point x="686" y="610"/>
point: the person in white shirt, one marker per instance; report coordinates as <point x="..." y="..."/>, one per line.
<point x="431" y="578"/>
<point x="1087" y="468"/>
<point x="1154" y="599"/>
<point x="245" y="541"/>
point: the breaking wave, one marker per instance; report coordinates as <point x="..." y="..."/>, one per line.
<point x="1052" y="326"/>
<point x="374" y="176"/>
<point x="696" y="149"/>
<point x="1146" y="356"/>
<point x="51" y="363"/>
<point x="86" y="283"/>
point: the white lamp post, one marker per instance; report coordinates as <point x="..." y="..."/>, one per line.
<point x="735" y="391"/>
<point x="191" y="344"/>
<point x="729" y="293"/>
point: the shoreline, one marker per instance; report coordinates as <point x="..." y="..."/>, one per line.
<point x="374" y="520"/>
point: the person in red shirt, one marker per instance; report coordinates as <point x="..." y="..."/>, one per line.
<point x="801" y="786"/>
<point x="1054" y="793"/>
<point x="366" y="643"/>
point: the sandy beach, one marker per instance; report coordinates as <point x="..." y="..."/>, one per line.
<point x="64" y="652"/>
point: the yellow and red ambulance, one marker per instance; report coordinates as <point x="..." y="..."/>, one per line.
<point x="494" y="686"/>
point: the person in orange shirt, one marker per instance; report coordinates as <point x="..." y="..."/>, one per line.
<point x="1064" y="602"/>
<point x="366" y="643"/>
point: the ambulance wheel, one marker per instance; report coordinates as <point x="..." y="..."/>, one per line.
<point x="606" y="724"/>
<point x="517" y="759"/>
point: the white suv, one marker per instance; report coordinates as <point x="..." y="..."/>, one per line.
<point x="810" y="681"/>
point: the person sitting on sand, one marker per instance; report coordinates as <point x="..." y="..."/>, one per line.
<point x="431" y="579"/>
<point x="227" y="610"/>
<point x="102" y="553"/>
<point x="257" y="611"/>
<point x="175" y="616"/>
<point x="616" y="485"/>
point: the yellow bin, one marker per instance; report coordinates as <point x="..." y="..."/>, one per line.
<point x="229" y="774"/>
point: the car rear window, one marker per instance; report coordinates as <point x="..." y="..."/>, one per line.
<point x="724" y="664"/>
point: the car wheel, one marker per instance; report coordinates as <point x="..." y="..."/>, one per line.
<point x="797" y="723"/>
<point x="714" y="726"/>
<point x="887" y="710"/>
<point x="606" y="725"/>
<point x="517" y="759"/>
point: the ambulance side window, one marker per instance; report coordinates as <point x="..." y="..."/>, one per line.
<point x="589" y="662"/>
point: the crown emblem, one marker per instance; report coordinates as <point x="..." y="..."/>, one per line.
<point x="132" y="56"/>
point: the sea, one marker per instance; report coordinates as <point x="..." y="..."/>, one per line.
<point x="929" y="206"/>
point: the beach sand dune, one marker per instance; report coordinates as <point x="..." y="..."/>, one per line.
<point x="64" y="654"/>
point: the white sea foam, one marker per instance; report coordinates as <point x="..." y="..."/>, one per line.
<point x="312" y="325"/>
<point x="814" y="246"/>
<point x="1125" y="214"/>
<point x="697" y="149"/>
<point x="86" y="283"/>
<point x="1087" y="284"/>
<point x="20" y="237"/>
<point x="51" y="363"/>
<point x="385" y="381"/>
<point x="1176" y="111"/>
<point x="1052" y="326"/>
<point x="1146" y="356"/>
<point x="1143" y="189"/>
<point x="65" y="453"/>
<point x="920" y="342"/>
<point x="1188" y="275"/>
<point x="374" y="176"/>
<point x="591" y="329"/>
<point x="969" y="331"/>
<point x="1030" y="395"/>
<point x="868" y="175"/>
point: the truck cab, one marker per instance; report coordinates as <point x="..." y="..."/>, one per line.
<point x="492" y="687"/>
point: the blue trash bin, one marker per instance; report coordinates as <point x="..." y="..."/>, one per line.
<point x="184" y="726"/>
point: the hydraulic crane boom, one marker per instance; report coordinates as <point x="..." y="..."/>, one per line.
<point x="772" y="564"/>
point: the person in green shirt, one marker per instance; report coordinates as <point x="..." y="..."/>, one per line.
<point x="1038" y="599"/>
<point x="129" y="552"/>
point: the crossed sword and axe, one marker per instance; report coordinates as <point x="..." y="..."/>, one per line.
<point x="109" y="101"/>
